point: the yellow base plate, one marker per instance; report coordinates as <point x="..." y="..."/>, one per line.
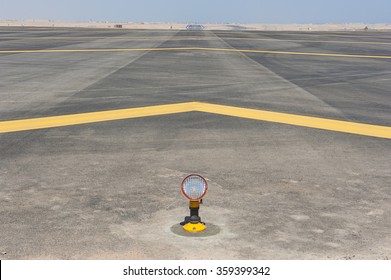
<point x="194" y="227"/>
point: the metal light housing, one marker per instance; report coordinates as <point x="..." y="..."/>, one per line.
<point x="194" y="187"/>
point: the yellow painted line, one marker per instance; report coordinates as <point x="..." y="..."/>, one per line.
<point x="178" y="38"/>
<point x="307" y="41"/>
<point x="67" y="37"/>
<point x="107" y="37"/>
<point x="385" y="34"/>
<point x="297" y="53"/>
<point x="254" y="114"/>
<point x="310" y="33"/>
<point x="297" y="120"/>
<point x="84" y="118"/>
<point x="96" y="50"/>
<point x="200" y="49"/>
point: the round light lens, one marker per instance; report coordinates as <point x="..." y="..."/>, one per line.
<point x="194" y="187"/>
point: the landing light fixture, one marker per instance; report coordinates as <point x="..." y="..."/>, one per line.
<point x="194" y="188"/>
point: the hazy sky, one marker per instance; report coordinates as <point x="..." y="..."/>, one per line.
<point x="233" y="11"/>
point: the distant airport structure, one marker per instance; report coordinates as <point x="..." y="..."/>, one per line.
<point x="195" y="27"/>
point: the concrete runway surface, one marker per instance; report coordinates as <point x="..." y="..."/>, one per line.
<point x="287" y="179"/>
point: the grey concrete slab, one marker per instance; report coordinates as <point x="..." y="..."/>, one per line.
<point x="111" y="190"/>
<point x="358" y="87"/>
<point x="38" y="80"/>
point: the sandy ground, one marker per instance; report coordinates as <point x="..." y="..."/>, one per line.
<point x="208" y="26"/>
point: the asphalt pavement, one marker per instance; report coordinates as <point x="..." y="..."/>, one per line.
<point x="111" y="189"/>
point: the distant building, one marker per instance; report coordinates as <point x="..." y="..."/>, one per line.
<point x="195" y="27"/>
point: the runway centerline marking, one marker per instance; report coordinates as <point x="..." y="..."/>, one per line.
<point x="253" y="114"/>
<point x="200" y="49"/>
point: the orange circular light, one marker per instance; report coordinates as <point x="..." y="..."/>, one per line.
<point x="194" y="187"/>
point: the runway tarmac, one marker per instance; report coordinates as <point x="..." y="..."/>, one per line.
<point x="98" y="128"/>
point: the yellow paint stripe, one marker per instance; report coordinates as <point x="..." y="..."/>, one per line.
<point x="307" y="41"/>
<point x="108" y="37"/>
<point x="298" y="53"/>
<point x="178" y="38"/>
<point x="261" y="115"/>
<point x="96" y="50"/>
<point x="320" y="34"/>
<point x="298" y="120"/>
<point x="76" y="119"/>
<point x="385" y="34"/>
<point x="201" y="49"/>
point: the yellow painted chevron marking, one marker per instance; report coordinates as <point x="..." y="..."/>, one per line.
<point x="298" y="120"/>
<point x="94" y="117"/>
<point x="254" y="114"/>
